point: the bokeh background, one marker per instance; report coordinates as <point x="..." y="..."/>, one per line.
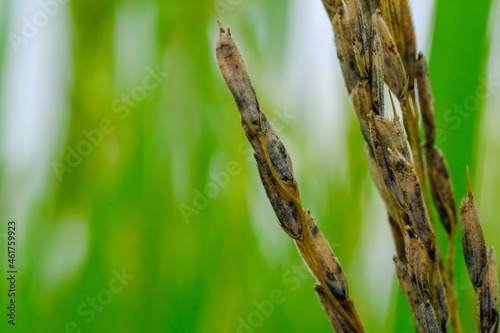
<point x="138" y="205"/>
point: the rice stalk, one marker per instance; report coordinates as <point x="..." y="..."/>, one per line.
<point x="376" y="48"/>
<point x="276" y="173"/>
<point x="481" y="265"/>
<point x="401" y="174"/>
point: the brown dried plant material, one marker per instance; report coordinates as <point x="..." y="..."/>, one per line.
<point x="376" y="72"/>
<point x="362" y="102"/>
<point x="419" y="265"/>
<point x="391" y="11"/>
<point x="412" y="199"/>
<point x="339" y="322"/>
<point x="441" y="188"/>
<point x="473" y="240"/>
<point x="395" y="155"/>
<point x="381" y="142"/>
<point x="395" y="222"/>
<point x="426" y="100"/>
<point x="410" y="48"/>
<point x="274" y="164"/>
<point x="415" y="280"/>
<point x="396" y="29"/>
<point x="406" y="284"/>
<point x="397" y="15"/>
<point x="385" y="135"/>
<point x="488" y="297"/>
<point x="394" y="72"/>
<point x="276" y="172"/>
<point x="440" y="184"/>
<point x="376" y="45"/>
<point x="437" y="169"/>
<point x="410" y="122"/>
<point x="345" y="52"/>
<point x="441" y="301"/>
<point x="361" y="33"/>
<point x="394" y="133"/>
<point x="482" y="267"/>
<point x="394" y="210"/>
<point x="427" y="318"/>
<point x="378" y="178"/>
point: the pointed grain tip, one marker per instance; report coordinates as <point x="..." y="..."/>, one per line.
<point x="221" y="28"/>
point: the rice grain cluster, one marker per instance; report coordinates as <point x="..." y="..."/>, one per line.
<point x="377" y="51"/>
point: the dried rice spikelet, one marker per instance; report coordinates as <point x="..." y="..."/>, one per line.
<point x="345" y="52"/>
<point x="376" y="70"/>
<point x="276" y="172"/>
<point x="441" y="301"/>
<point x="473" y="240"/>
<point x="437" y="169"/>
<point x="427" y="318"/>
<point x="362" y="103"/>
<point x="441" y="188"/>
<point x="358" y="14"/>
<point x="419" y="265"/>
<point x="410" y="48"/>
<point x="488" y="297"/>
<point x="394" y="72"/>
<point x="412" y="200"/>
<point x="426" y="100"/>
<point x="406" y="284"/>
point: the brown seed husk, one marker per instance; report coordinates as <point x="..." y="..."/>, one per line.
<point x="473" y="240"/>
<point x="362" y="103"/>
<point x="345" y="52"/>
<point x="419" y="265"/>
<point x="394" y="72"/>
<point x="391" y="12"/>
<point x="359" y="23"/>
<point x="411" y="198"/>
<point x="488" y="296"/>
<point x="426" y="100"/>
<point x="441" y="302"/>
<point x="441" y="188"/>
<point x="273" y="161"/>
<point x="376" y="72"/>
<point x="409" y="54"/>
<point x="337" y="320"/>
<point x="428" y="318"/>
<point x="406" y="284"/>
<point x="386" y="135"/>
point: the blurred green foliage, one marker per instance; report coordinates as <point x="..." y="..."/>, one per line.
<point x="163" y="226"/>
